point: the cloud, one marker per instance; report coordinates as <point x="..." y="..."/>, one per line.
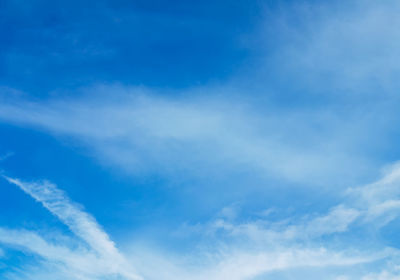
<point x="320" y="140"/>
<point x="292" y="230"/>
<point x="101" y="258"/>
<point x="249" y="266"/>
<point x="6" y="156"/>
<point x="331" y="122"/>
<point x="73" y="262"/>
<point x="380" y="200"/>
<point x="143" y="132"/>
<point x="376" y="204"/>
<point x="80" y="223"/>
<point x="232" y="262"/>
<point x="238" y="262"/>
<point x="244" y="250"/>
<point x="231" y="250"/>
<point x="384" y="275"/>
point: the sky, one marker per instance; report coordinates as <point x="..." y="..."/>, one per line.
<point x="191" y="140"/>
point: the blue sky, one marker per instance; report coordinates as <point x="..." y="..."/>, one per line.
<point x="199" y="140"/>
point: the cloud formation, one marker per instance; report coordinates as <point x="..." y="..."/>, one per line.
<point x="312" y="121"/>
<point x="233" y="250"/>
<point x="100" y="259"/>
<point x="140" y="131"/>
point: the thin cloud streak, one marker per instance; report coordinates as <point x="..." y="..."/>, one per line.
<point x="6" y="156"/>
<point x="82" y="224"/>
<point x="142" y="132"/>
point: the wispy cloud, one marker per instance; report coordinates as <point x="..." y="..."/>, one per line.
<point x="6" y="156"/>
<point x="80" y="223"/>
<point x="232" y="250"/>
<point x="141" y="131"/>
<point x="374" y="204"/>
<point x="323" y="113"/>
<point x="144" y="132"/>
<point x="102" y="257"/>
<point x="384" y="275"/>
<point x="252" y="248"/>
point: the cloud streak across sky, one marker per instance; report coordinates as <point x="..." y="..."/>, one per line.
<point x="101" y="258"/>
<point x="143" y="132"/>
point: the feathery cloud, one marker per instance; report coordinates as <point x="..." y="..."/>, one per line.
<point x="102" y="257"/>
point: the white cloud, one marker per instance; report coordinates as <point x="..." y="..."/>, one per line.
<point x="243" y="250"/>
<point x="373" y="204"/>
<point x="80" y="223"/>
<point x="101" y="258"/>
<point x="262" y="232"/>
<point x="140" y="132"/>
<point x="75" y="262"/>
<point x="232" y="262"/>
<point x="247" y="266"/>
<point x="384" y="275"/>
<point x="380" y="200"/>
<point x="256" y="248"/>
<point x="229" y="259"/>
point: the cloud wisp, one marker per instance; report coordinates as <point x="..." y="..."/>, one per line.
<point x="6" y="156"/>
<point x="253" y="248"/>
<point x="375" y="204"/>
<point x="142" y="132"/>
<point x="232" y="250"/>
<point x="100" y="258"/>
